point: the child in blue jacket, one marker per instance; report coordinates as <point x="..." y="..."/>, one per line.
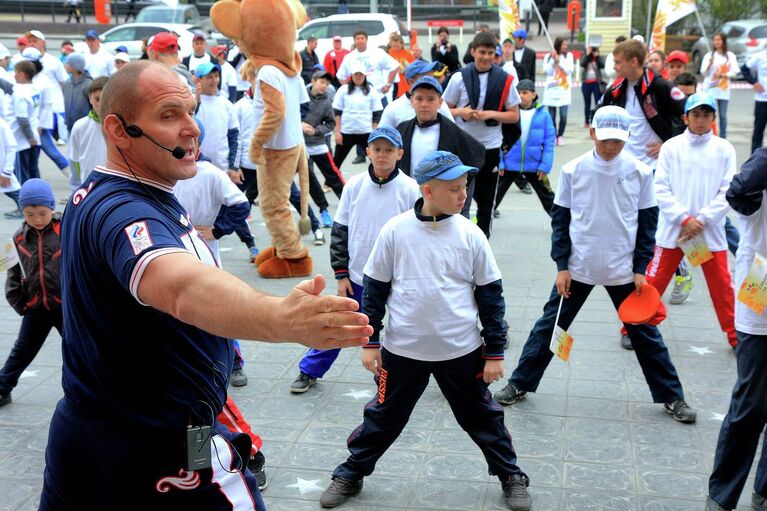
<point x="533" y="153"/>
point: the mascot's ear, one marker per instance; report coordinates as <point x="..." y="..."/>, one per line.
<point x="225" y="15"/>
<point x="299" y="13"/>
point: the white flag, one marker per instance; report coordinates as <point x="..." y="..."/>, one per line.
<point x="508" y="11"/>
<point x="668" y="12"/>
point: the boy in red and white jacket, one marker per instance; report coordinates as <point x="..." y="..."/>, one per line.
<point x="691" y="180"/>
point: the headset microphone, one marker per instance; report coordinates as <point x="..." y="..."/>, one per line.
<point x="134" y="131"/>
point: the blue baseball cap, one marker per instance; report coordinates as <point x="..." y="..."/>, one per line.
<point x="700" y="99"/>
<point x="441" y="165"/>
<point x="520" y="33"/>
<point x="611" y="123"/>
<point x="205" y="69"/>
<point x="121" y="49"/>
<point x="498" y="51"/>
<point x="387" y="133"/>
<point x="419" y="67"/>
<point x="427" y="81"/>
<point x="91" y="34"/>
<point x="202" y="129"/>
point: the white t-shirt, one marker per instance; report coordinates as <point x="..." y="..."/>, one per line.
<point x="365" y="207"/>
<point x="87" y="147"/>
<point x="433" y="268"/>
<point x="203" y="195"/>
<point x="54" y="69"/>
<point x="26" y="103"/>
<point x="604" y="198"/>
<point x="727" y="65"/>
<point x="691" y="179"/>
<point x="218" y="117"/>
<point x="641" y="133"/>
<point x="101" y="63"/>
<point x="242" y="85"/>
<point x="228" y="79"/>
<point x="455" y="94"/>
<point x="357" y="109"/>
<point x="753" y="240"/>
<point x="8" y="156"/>
<point x="377" y="62"/>
<point x="47" y="93"/>
<point x="245" y="116"/>
<point x="289" y="134"/>
<point x="423" y="142"/>
<point x="508" y="66"/>
<point x="525" y="120"/>
<point x="559" y="82"/>
<point x="757" y="64"/>
<point x="401" y="110"/>
<point x="196" y="61"/>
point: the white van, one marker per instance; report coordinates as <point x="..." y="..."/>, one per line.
<point x="378" y="27"/>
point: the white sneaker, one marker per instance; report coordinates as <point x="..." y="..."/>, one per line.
<point x="319" y="237"/>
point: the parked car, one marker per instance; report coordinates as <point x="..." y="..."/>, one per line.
<point x="131" y="34"/>
<point x="744" y="37"/>
<point x="181" y="13"/>
<point x="378" y="27"/>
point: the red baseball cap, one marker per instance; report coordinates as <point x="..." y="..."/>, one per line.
<point x="164" y="42"/>
<point x="22" y="40"/>
<point x="219" y="49"/>
<point x="640" y="309"/>
<point x="679" y="55"/>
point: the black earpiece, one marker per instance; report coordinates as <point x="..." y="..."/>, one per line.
<point x="134" y="131"/>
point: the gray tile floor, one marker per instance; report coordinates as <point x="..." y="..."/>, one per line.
<point x="590" y="439"/>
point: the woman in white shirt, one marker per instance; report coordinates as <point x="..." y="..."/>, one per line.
<point x="718" y="68"/>
<point x="558" y="68"/>
<point x="358" y="109"/>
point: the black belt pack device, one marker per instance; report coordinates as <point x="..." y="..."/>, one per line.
<point x="198" y="448"/>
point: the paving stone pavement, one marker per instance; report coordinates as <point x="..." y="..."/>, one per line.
<point x="590" y="438"/>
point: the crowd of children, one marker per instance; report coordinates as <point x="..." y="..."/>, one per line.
<point x="622" y="216"/>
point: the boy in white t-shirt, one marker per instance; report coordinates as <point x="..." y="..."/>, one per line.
<point x="434" y="271"/>
<point x="692" y="176"/>
<point x="368" y="201"/>
<point x="603" y="220"/>
<point x="87" y="147"/>
<point x="218" y="115"/>
<point x="228" y="74"/>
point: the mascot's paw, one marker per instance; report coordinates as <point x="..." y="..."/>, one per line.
<point x="265" y="255"/>
<point x="278" y="268"/>
<point x="304" y="226"/>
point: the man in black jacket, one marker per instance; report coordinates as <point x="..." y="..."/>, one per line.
<point x="444" y="51"/>
<point x="309" y="59"/>
<point x="431" y="131"/>
<point x="655" y="104"/>
<point x="524" y="57"/>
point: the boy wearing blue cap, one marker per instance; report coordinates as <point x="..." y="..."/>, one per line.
<point x="32" y="286"/>
<point x="603" y="221"/>
<point x="418" y="270"/>
<point x="691" y="180"/>
<point x="367" y="202"/>
<point x="218" y="115"/>
<point x="401" y="109"/>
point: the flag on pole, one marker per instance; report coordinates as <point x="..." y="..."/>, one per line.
<point x="668" y="12"/>
<point x="508" y="11"/>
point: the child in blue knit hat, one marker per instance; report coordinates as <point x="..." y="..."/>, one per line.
<point x="33" y="291"/>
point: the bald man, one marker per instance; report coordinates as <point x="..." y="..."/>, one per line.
<point x="147" y="356"/>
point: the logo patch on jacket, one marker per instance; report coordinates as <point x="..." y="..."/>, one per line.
<point x="139" y="237"/>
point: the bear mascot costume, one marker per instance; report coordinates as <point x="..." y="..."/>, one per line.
<point x="265" y="31"/>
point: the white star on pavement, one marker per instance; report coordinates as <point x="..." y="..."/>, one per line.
<point x="359" y="394"/>
<point x="305" y="486"/>
<point x="700" y="351"/>
<point x="717" y="417"/>
<point x="28" y="374"/>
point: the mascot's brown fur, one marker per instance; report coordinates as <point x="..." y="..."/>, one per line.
<point x="265" y="31"/>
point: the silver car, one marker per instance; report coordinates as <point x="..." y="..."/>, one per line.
<point x="744" y="37"/>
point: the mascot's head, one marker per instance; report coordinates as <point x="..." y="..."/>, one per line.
<point x="265" y="30"/>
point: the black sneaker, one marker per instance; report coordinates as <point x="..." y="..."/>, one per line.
<point x="302" y="383"/>
<point x="239" y="378"/>
<point x="515" y="493"/>
<point x="256" y="465"/>
<point x="681" y="411"/>
<point x="758" y="502"/>
<point x="359" y="159"/>
<point x="509" y="395"/>
<point x="5" y="399"/>
<point x="712" y="505"/>
<point x="626" y="342"/>
<point x="339" y="490"/>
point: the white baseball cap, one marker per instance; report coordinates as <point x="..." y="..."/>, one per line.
<point x="612" y="123"/>
<point x="31" y="53"/>
<point x="35" y="33"/>
<point x="122" y="56"/>
<point x="358" y="67"/>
